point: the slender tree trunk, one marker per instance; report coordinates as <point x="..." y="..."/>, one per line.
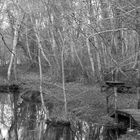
<point x="63" y="76"/>
<point x="56" y="67"/>
<point x="96" y="59"/>
<point x="41" y="78"/>
<point x="90" y="56"/>
<point x="27" y="44"/>
<point x="75" y="50"/>
<point x="13" y="54"/>
<point x="72" y="49"/>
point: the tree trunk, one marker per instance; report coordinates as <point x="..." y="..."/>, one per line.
<point x="13" y="54"/>
<point x="63" y="77"/>
<point x="90" y="56"/>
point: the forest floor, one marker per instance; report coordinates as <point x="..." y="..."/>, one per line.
<point x="85" y="102"/>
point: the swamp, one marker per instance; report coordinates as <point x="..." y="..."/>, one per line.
<point x="69" y="69"/>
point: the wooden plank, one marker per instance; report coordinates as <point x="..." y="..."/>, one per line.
<point x="135" y="113"/>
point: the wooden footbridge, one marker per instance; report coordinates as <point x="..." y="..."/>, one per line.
<point x="128" y="118"/>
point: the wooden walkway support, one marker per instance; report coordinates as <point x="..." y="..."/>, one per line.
<point x="114" y="85"/>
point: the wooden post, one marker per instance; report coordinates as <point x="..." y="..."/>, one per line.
<point x="130" y="121"/>
<point x="138" y="97"/>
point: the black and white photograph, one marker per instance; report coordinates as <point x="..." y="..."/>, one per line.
<point x="69" y="69"/>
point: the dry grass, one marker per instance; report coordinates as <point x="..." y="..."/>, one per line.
<point x="84" y="101"/>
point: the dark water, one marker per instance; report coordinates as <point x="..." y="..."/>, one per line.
<point x="80" y="131"/>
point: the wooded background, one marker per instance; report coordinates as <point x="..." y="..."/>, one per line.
<point x="92" y="37"/>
